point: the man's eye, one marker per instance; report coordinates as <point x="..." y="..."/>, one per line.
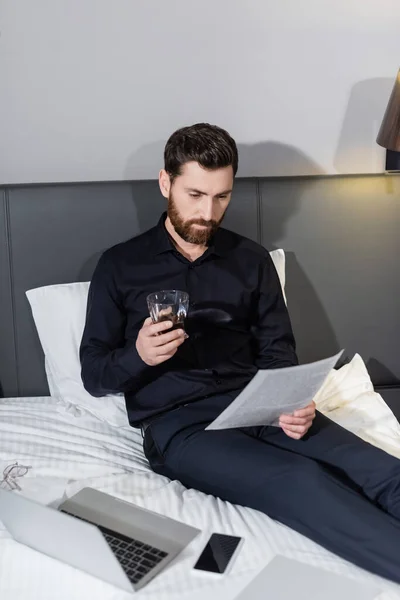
<point x="194" y="195"/>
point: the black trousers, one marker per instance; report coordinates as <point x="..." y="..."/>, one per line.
<point x="331" y="486"/>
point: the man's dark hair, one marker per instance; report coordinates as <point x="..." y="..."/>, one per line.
<point x="208" y="145"/>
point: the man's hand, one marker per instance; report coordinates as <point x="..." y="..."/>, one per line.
<point x="297" y="424"/>
<point x="153" y="348"/>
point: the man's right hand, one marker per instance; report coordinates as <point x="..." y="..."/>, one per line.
<point x="153" y="348"/>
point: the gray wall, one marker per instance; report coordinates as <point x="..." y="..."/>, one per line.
<point x="91" y="90"/>
<point x="343" y="247"/>
<point x="340" y="234"/>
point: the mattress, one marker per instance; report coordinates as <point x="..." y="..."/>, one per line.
<point x="67" y="449"/>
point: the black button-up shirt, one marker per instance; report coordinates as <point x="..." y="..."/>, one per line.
<point x="237" y="321"/>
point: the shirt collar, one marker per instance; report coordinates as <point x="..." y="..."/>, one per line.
<point x="163" y="242"/>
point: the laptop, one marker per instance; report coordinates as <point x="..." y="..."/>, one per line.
<point x="116" y="541"/>
<point x="285" y="579"/>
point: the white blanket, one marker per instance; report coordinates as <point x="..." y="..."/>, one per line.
<point x="68" y="449"/>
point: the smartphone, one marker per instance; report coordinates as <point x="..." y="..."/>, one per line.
<point x="219" y="553"/>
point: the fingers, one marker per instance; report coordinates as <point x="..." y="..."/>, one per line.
<point x="306" y="411"/>
<point x="302" y="418"/>
<point x="291" y="420"/>
<point x="150" y="329"/>
<point x="294" y="429"/>
<point x="297" y="428"/>
<point x="170" y="336"/>
<point x="296" y="425"/>
<point x="155" y="343"/>
<point x="163" y="357"/>
<point x="166" y="349"/>
<point x="292" y="434"/>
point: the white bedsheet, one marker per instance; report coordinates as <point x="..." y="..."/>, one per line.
<point x="69" y="449"/>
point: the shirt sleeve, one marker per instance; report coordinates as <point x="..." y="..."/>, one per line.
<point x="275" y="343"/>
<point x="110" y="363"/>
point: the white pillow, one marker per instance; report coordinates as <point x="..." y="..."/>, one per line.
<point x="59" y="312"/>
<point x="348" y="398"/>
<point x="278" y="258"/>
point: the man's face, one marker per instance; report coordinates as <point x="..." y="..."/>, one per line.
<point x="197" y="201"/>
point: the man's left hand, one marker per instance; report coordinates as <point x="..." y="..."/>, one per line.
<point x="297" y="424"/>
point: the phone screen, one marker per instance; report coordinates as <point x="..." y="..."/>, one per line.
<point x="218" y="552"/>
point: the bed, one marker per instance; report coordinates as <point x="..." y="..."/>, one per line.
<point x="67" y="448"/>
<point x="54" y="234"/>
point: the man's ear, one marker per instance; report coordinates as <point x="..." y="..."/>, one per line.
<point x="165" y="183"/>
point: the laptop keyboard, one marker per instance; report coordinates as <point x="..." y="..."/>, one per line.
<point x="135" y="557"/>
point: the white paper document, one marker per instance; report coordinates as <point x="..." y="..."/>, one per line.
<point x="287" y="579"/>
<point x="273" y="392"/>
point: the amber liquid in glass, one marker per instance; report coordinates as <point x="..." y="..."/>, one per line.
<point x="176" y="322"/>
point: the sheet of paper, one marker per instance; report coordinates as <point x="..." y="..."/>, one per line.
<point x="287" y="579"/>
<point x="273" y="392"/>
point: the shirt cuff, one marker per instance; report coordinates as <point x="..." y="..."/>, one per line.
<point x="132" y="363"/>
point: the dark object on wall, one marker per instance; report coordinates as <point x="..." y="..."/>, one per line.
<point x="389" y="133"/>
<point x="392" y="161"/>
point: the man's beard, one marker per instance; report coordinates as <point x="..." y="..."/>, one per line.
<point x="185" y="229"/>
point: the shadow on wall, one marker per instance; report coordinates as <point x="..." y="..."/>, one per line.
<point x="146" y="161"/>
<point x="274" y="159"/>
<point x="265" y="159"/>
<point x="380" y="373"/>
<point x="281" y="200"/>
<point x="313" y="330"/>
<point x="357" y="142"/>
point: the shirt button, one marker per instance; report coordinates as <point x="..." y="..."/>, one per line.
<point x="217" y="379"/>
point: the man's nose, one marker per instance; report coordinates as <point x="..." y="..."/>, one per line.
<point x="207" y="209"/>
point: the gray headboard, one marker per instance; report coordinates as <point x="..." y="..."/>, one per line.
<point x="341" y="235"/>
